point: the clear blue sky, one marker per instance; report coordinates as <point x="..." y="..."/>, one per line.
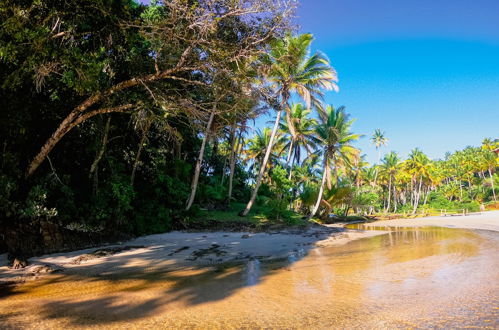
<point x="426" y="71"/>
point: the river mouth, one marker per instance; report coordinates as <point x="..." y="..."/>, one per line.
<point x="410" y="277"/>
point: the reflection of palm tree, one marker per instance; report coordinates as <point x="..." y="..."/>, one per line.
<point x="289" y="68"/>
<point x="334" y="135"/>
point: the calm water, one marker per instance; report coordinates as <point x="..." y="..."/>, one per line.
<point x="419" y="277"/>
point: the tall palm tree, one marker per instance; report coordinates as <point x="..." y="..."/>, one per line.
<point x="303" y="127"/>
<point x="333" y="133"/>
<point x="288" y="69"/>
<point x="379" y="139"/>
<point x="390" y="166"/>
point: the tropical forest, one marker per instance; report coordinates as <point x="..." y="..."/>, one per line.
<point x="126" y="118"/>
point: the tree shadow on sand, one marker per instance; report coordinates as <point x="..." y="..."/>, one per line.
<point x="127" y="291"/>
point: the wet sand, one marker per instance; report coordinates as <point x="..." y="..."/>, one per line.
<point x="322" y="278"/>
<point x="485" y="220"/>
<point x="184" y="249"/>
<point x="412" y="277"/>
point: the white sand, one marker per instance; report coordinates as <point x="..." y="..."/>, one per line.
<point x="484" y="220"/>
<point x="163" y="251"/>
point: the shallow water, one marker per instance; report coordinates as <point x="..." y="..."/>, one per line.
<point x="417" y="277"/>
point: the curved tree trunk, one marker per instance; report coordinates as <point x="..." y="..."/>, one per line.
<point x="321" y="191"/>
<point x="261" y="172"/>
<point x="199" y="162"/>
<point x="72" y="120"/>
<point x="79" y="114"/>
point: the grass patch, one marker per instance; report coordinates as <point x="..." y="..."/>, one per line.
<point x="260" y="218"/>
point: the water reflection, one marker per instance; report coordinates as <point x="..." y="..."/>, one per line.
<point x="252" y="272"/>
<point x="407" y="278"/>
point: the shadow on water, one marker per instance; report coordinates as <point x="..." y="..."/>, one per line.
<point x="132" y="292"/>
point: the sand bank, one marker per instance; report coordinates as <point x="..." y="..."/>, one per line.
<point x="183" y="249"/>
<point x="484" y="220"/>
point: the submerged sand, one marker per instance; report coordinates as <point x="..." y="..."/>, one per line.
<point x="407" y="278"/>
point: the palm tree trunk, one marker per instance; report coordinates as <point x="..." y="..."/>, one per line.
<point x="418" y="195"/>
<point x="290" y="151"/>
<point x="394" y="198"/>
<point x="426" y="196"/>
<point x="199" y="162"/>
<point x="389" y="194"/>
<point x="291" y="167"/>
<point x="321" y="190"/>
<point x="261" y="172"/>
<point x="492" y="182"/>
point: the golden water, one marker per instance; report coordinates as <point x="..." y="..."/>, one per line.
<point x="420" y="277"/>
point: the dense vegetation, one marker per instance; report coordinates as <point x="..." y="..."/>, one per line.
<point x="123" y="118"/>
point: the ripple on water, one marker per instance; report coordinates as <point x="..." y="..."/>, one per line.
<point x="418" y="277"/>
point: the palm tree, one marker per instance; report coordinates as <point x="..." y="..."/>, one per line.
<point x="491" y="161"/>
<point x="334" y="135"/>
<point x="289" y="68"/>
<point x="303" y="127"/>
<point x="390" y="166"/>
<point x="257" y="145"/>
<point x="379" y="139"/>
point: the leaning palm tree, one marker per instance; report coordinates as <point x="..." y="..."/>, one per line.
<point x="288" y="69"/>
<point x="303" y="127"/>
<point x="333" y="133"/>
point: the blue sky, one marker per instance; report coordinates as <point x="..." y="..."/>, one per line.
<point x="425" y="72"/>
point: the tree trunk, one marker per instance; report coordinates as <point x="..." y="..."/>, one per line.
<point x="261" y="172"/>
<point x="137" y="157"/>
<point x="291" y="167"/>
<point x="492" y="182"/>
<point x="72" y="120"/>
<point x="233" y="165"/>
<point x="395" y="198"/>
<point x="102" y="149"/>
<point x="321" y="190"/>
<point x="418" y="195"/>
<point x="199" y="162"/>
<point x="78" y="115"/>
<point x="389" y="195"/>
<point x="426" y="196"/>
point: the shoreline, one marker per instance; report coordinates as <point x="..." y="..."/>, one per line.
<point x="178" y="250"/>
<point x="488" y="220"/>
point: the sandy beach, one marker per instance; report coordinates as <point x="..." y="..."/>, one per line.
<point x="484" y="220"/>
<point x="183" y="249"/>
<point x="186" y="249"/>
